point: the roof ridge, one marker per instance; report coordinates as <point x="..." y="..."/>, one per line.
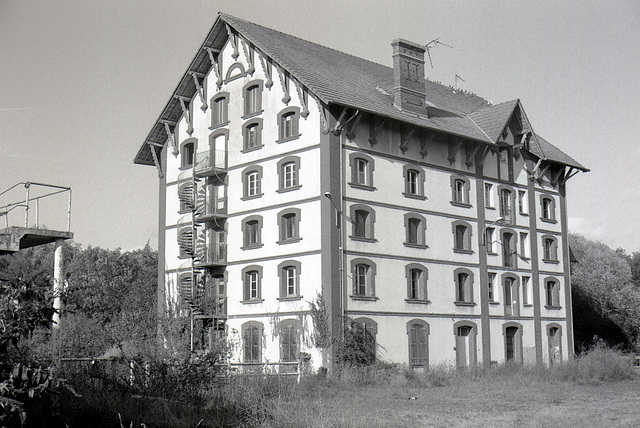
<point x="389" y="69"/>
<point x="305" y="40"/>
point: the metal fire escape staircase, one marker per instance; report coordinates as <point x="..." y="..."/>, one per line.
<point x="201" y="237"/>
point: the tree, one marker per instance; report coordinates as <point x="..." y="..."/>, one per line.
<point x="109" y="297"/>
<point x="606" y="302"/>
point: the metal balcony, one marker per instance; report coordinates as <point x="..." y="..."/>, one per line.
<point x="211" y="163"/>
<point x="210" y="205"/>
<point x="214" y="255"/>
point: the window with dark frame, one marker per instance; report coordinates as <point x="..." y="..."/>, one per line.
<point x="253" y="100"/>
<point x="252" y="338"/>
<point x="361" y="280"/>
<point x="188" y="155"/>
<point x="289" y="342"/>
<point x="418" y="346"/>
<point x="219" y="111"/>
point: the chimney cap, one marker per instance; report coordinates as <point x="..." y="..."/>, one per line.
<point x="409" y="44"/>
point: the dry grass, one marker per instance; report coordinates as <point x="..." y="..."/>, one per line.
<point x="600" y="389"/>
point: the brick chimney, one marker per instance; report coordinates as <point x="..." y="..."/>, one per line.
<point x="408" y="76"/>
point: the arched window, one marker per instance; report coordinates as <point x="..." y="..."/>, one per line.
<point x="461" y="236"/>
<point x="463" y="279"/>
<point x="288" y="175"/>
<point x="554" y="334"/>
<point x="288" y="121"/>
<point x="188" y="152"/>
<point x="369" y="330"/>
<point x="252" y="341"/>
<point x="362" y="167"/>
<point x="252" y="279"/>
<point x="252" y="133"/>
<point x="289" y="223"/>
<point x="418" y="332"/>
<point x="252" y="179"/>
<point x="363" y="272"/>
<point x="549" y="249"/>
<point x="460" y="191"/>
<point x="413" y="181"/>
<point x="363" y="218"/>
<point x="552" y="293"/>
<point x="512" y="332"/>
<point x="252" y="231"/>
<point x="417" y="276"/>
<point x="289" y="273"/>
<point x="465" y="336"/>
<point x="415" y="227"/>
<point x="547" y="208"/>
<point x="252" y="93"/>
<point x="220" y="109"/>
<point x="289" y="335"/>
<point x="509" y="247"/>
<point x="511" y="295"/>
<point x="507" y="203"/>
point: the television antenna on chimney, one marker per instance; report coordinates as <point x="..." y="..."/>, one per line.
<point x="434" y="44"/>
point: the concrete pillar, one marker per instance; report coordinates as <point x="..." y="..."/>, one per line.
<point x="58" y="284"/>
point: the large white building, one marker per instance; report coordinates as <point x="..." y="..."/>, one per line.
<point x="427" y="215"/>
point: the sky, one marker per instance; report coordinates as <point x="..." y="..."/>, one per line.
<point x="82" y="83"/>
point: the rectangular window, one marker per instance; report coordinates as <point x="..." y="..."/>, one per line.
<point x="491" y="285"/>
<point x="524" y="245"/>
<point x="252" y="233"/>
<point x="522" y="202"/>
<point x="488" y="195"/>
<point x="253" y="100"/>
<point x="505" y="205"/>
<point x="360" y="223"/>
<point x="290" y="278"/>
<point x="253" y="284"/>
<point x="490" y="238"/>
<point x="507" y="250"/>
<point x="360" y="280"/>
<point x="289" y="175"/>
<point x="219" y="111"/>
<point x="418" y="345"/>
<point x="362" y="172"/>
<point x="525" y="290"/>
<point x="252" y="344"/>
<point x="459" y="191"/>
<point x="462" y="287"/>
<point x="413" y="225"/>
<point x="289" y="343"/>
<point x="414" y="285"/>
<point x="412" y="181"/>
<point x="252" y="183"/>
<point x="251" y="136"/>
<point x="289" y="226"/>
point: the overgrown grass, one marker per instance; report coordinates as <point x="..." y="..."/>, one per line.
<point x="336" y="401"/>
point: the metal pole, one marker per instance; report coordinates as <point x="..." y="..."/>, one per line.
<point x="69" y="213"/>
<point x="58" y="275"/>
<point x="37" y="212"/>
<point x="26" y="210"/>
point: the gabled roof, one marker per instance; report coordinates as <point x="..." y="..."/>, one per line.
<point x="546" y="150"/>
<point x="493" y="119"/>
<point x="338" y="78"/>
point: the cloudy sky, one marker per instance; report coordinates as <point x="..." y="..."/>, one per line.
<point x="82" y="82"/>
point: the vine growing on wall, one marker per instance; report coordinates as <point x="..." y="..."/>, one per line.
<point x="320" y="318"/>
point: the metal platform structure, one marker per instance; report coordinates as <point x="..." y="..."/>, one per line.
<point x="14" y="237"/>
